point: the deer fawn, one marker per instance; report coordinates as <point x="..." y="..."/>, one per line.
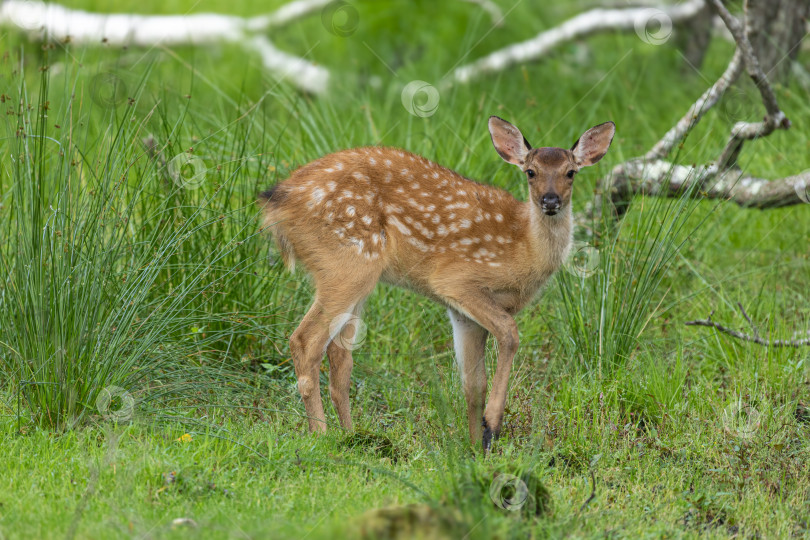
<point x="358" y="216"/>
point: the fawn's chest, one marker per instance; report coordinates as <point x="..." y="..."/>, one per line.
<point x="547" y="250"/>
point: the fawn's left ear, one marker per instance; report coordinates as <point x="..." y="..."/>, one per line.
<point x="593" y="144"/>
<point x="508" y="141"/>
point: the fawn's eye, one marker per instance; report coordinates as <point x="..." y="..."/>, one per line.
<point x="570" y="174"/>
<point x="530" y="173"/>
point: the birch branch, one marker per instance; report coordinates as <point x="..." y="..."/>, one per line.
<point x="491" y="8"/>
<point x="586" y="24"/>
<point x="710" y="97"/>
<point x="775" y="118"/>
<point x="663" y="178"/>
<point x="652" y="175"/>
<point x="307" y="76"/>
<point x="53" y="21"/>
<point x="751" y="61"/>
<point x="744" y="56"/>
<point x="298" y="9"/>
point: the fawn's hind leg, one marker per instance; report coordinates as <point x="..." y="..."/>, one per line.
<point x="306" y="347"/>
<point x="339" y="351"/>
<point x="334" y="298"/>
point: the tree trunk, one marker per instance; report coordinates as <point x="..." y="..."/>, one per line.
<point x="693" y="37"/>
<point x="776" y="29"/>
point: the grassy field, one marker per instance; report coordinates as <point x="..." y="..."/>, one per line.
<point x="146" y="387"/>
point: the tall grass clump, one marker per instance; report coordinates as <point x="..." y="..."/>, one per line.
<point x="115" y="265"/>
<point x="612" y="289"/>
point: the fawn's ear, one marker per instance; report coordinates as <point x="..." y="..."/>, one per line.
<point x="508" y="141"/>
<point x="593" y="144"/>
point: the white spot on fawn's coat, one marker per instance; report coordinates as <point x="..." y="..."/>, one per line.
<point x="399" y="225"/>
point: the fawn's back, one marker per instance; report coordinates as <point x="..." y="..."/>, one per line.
<point x="417" y="221"/>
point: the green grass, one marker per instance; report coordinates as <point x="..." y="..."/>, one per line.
<point x="118" y="274"/>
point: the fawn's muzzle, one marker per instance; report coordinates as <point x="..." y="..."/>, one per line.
<point x="550" y="204"/>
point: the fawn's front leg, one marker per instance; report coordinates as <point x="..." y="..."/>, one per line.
<point x="470" y="341"/>
<point x="506" y="333"/>
<point x="477" y="305"/>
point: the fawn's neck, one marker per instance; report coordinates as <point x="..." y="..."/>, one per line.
<point x="550" y="237"/>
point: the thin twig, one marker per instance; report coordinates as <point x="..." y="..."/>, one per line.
<point x="746" y="337"/>
<point x="593" y="493"/>
<point x="747" y="318"/>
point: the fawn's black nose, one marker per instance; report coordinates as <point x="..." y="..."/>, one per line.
<point x="550" y="203"/>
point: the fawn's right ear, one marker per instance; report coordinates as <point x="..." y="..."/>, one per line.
<point x="508" y="141"/>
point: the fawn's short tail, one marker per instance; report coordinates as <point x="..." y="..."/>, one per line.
<point x="269" y="201"/>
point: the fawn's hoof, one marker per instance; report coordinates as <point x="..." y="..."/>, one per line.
<point x="486" y="438"/>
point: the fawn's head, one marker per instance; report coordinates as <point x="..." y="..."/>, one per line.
<point x="550" y="171"/>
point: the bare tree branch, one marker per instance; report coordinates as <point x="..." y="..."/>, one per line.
<point x="303" y="73"/>
<point x="746" y="337"/>
<point x="775" y="118"/>
<point x="298" y="9"/>
<point x="53" y="21"/>
<point x="744" y="54"/>
<point x="666" y="179"/>
<point x="652" y="175"/>
<point x="705" y="102"/>
<point x="585" y="24"/>
<point x="490" y="7"/>
<point x="751" y="61"/>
